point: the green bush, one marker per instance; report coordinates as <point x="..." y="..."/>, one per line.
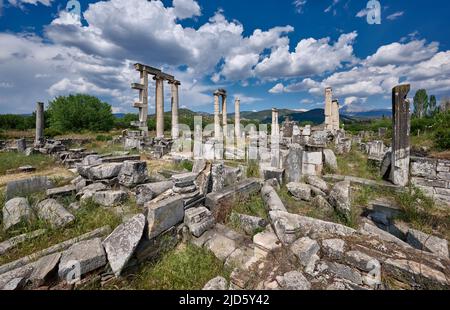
<point x="80" y="112"/>
<point x="51" y="132"/>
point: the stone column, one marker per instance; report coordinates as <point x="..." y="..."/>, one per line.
<point x="175" y="103"/>
<point x="335" y="115"/>
<point x="328" y="108"/>
<point x="275" y="125"/>
<point x="39" y="138"/>
<point x="400" y="143"/>
<point x="224" y="112"/>
<point x="159" y="106"/>
<point x="237" y="118"/>
<point x="216" y="116"/>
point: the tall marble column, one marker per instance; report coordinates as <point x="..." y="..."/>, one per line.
<point x="39" y="139"/>
<point x="159" y="106"/>
<point x="175" y="104"/>
<point x="275" y="124"/>
<point x="401" y="118"/>
<point x="237" y="118"/>
<point x="335" y="115"/>
<point x="224" y="112"/>
<point x="328" y="108"/>
<point x="216" y="116"/>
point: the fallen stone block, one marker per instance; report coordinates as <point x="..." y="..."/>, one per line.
<point x="320" y="202"/>
<point x="300" y="191"/>
<point x="18" y="273"/>
<point x="248" y="223"/>
<point x="16" y="211"/>
<point x="133" y="173"/>
<point x="265" y="242"/>
<point x="15" y="241"/>
<point x="345" y="272"/>
<point x="294" y="280"/>
<point x="27" y="186"/>
<point x="81" y="258"/>
<point x="271" y="199"/>
<point x="423" y="241"/>
<point x="163" y="214"/>
<point x="100" y="172"/>
<point x="54" y="213"/>
<point x="123" y="241"/>
<point x="273" y="173"/>
<point x="333" y="248"/>
<point x="227" y="196"/>
<point x="330" y="159"/>
<point x="317" y="182"/>
<point x="110" y="198"/>
<point x="43" y="269"/>
<point x="147" y="192"/>
<point x="198" y="220"/>
<point x="306" y="250"/>
<point x="293" y="163"/>
<point x="61" y="191"/>
<point x="289" y="227"/>
<point x="216" y="284"/>
<point x="221" y="246"/>
<point x="340" y="198"/>
<point x="92" y="160"/>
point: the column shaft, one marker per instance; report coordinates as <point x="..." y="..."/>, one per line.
<point x="216" y="117"/>
<point x="237" y="118"/>
<point x="39" y="123"/>
<point x="175" y="103"/>
<point x="159" y="107"/>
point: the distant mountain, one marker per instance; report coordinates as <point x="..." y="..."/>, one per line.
<point x="370" y="114"/>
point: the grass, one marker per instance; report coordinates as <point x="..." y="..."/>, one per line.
<point x="104" y="147"/>
<point x="253" y="206"/>
<point x="12" y="160"/>
<point x="253" y="169"/>
<point x="356" y="164"/>
<point x="185" y="268"/>
<point x="423" y="213"/>
<point x="183" y="165"/>
<point x="88" y="218"/>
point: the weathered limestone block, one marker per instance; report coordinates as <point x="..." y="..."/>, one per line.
<point x="294" y="280"/>
<point x="43" y="269"/>
<point x="27" y="186"/>
<point x="423" y="241"/>
<point x="123" y="241"/>
<point x="415" y="273"/>
<point x="163" y="214"/>
<point x="13" y="242"/>
<point x="293" y="163"/>
<point x="345" y="272"/>
<point x="185" y="179"/>
<point x="227" y="196"/>
<point x="15" y="211"/>
<point x="221" y="246"/>
<point x="306" y="250"/>
<point x="321" y="202"/>
<point x="100" y="172"/>
<point x="289" y="227"/>
<point x="359" y="260"/>
<point x="18" y="273"/>
<point x="92" y="160"/>
<point x="53" y="212"/>
<point x="242" y="258"/>
<point x="333" y="248"/>
<point x="61" y="191"/>
<point x="317" y="182"/>
<point x="147" y="192"/>
<point x="216" y="284"/>
<point x="271" y="199"/>
<point x="81" y="258"/>
<point x="330" y="159"/>
<point x="110" y="198"/>
<point x="198" y="220"/>
<point x="300" y="191"/>
<point x="249" y="223"/>
<point x="423" y="167"/>
<point x="89" y="191"/>
<point x="273" y="173"/>
<point x="133" y="173"/>
<point x="340" y="198"/>
<point x="218" y="177"/>
<point x="265" y="242"/>
<point x="318" y="138"/>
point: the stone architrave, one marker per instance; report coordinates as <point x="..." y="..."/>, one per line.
<point x="401" y="142"/>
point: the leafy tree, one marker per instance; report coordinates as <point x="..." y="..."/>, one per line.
<point x="433" y="105"/>
<point x="420" y="103"/>
<point x="445" y="104"/>
<point x="80" y="112"/>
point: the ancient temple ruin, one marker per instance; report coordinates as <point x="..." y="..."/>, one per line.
<point x="331" y="111"/>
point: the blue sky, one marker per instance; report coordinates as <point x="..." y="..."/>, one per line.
<point x="268" y="53"/>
